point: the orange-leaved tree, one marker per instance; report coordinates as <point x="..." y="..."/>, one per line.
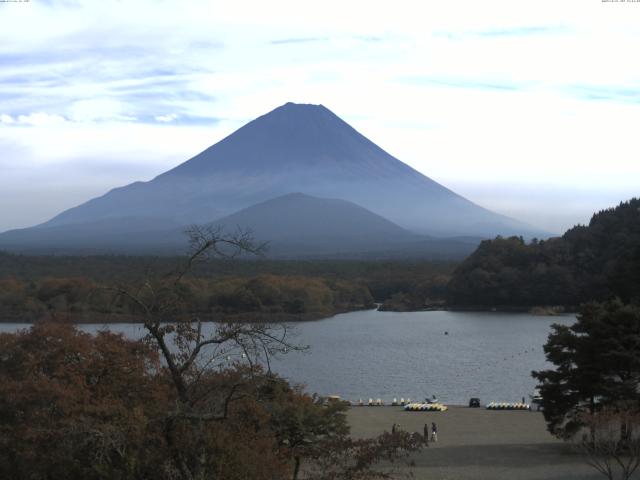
<point x="74" y="405"/>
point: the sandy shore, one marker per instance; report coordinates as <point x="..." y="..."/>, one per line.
<point x="479" y="444"/>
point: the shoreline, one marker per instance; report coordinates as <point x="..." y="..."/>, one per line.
<point x="114" y="319"/>
<point x="543" y="311"/>
<point x="265" y="317"/>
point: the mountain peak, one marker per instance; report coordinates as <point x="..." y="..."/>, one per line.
<point x="293" y="135"/>
<point x="301" y="106"/>
<point x="299" y="112"/>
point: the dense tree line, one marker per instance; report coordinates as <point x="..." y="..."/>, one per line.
<point x="382" y="277"/>
<point x="265" y="296"/>
<point x="593" y="262"/>
<point x="274" y="294"/>
<point x="32" y="286"/>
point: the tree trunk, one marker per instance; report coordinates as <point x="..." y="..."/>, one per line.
<point x="296" y="468"/>
<point x="592" y="428"/>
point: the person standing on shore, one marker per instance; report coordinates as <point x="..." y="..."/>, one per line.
<point x="426" y="433"/>
<point x="393" y="428"/>
<point x="434" y="432"/>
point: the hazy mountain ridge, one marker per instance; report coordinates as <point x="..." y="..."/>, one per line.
<point x="297" y="215"/>
<point x="301" y="225"/>
<point x="293" y="225"/>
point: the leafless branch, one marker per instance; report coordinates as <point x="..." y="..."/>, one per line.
<point x="613" y="442"/>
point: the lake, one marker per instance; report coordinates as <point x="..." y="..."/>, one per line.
<point x="388" y="354"/>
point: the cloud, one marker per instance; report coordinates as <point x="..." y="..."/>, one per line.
<point x="465" y="83"/>
<point x="37" y="119"/>
<point x="630" y="94"/>
<point x="166" y="118"/>
<point x="40" y="119"/>
<point x="285" y="41"/>
<point x="522" y="31"/>
<point x="498" y="33"/>
<point x="369" y="38"/>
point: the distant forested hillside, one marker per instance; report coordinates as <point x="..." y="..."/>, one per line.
<point x="33" y="287"/>
<point x="591" y="262"/>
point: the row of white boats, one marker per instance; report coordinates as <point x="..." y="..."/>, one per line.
<point x="508" y="406"/>
<point x="378" y="402"/>
<point x="436" y="406"/>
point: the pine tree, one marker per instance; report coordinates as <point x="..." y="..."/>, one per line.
<point x="597" y="363"/>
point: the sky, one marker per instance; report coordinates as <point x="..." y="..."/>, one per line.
<point x="529" y="108"/>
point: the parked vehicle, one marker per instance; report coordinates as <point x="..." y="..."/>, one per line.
<point x="536" y="399"/>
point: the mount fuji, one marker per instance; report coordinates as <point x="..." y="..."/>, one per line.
<point x="296" y="148"/>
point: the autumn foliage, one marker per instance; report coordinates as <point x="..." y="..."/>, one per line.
<point x="74" y="405"/>
<point x="79" y="406"/>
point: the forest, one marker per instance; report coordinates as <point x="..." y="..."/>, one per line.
<point x="81" y="288"/>
<point x="265" y="297"/>
<point x="588" y="263"/>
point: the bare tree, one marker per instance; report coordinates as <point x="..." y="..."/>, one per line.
<point x="612" y="445"/>
<point x="385" y="457"/>
<point x="191" y="349"/>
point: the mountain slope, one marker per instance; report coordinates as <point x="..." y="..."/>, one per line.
<point x="105" y="235"/>
<point x="300" y="224"/>
<point x="294" y="226"/>
<point x="296" y="148"/>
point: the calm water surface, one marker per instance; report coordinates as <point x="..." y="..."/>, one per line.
<point x="388" y="354"/>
